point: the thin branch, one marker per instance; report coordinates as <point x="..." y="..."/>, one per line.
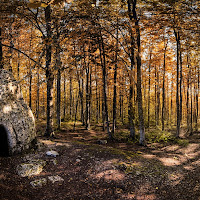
<point x="23" y="54"/>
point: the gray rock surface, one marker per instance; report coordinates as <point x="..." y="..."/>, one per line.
<point x="52" y="153"/>
<point x="56" y="178"/>
<point x="31" y="168"/>
<point x="39" y="182"/>
<point x="15" y="116"/>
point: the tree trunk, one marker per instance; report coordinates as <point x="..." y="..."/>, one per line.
<point x="1" y="50"/>
<point x="115" y="86"/>
<point x="197" y="97"/>
<point x="97" y="98"/>
<point x="133" y="17"/>
<point x="64" y="109"/>
<point x="49" y="74"/>
<point x="177" y="85"/>
<point x="131" y="113"/>
<point x="38" y="93"/>
<point x="191" y="108"/>
<point x="58" y="99"/>
<point x="149" y="88"/>
<point x="70" y="94"/>
<point x="87" y="117"/>
<point x="163" y="89"/>
<point x="104" y="76"/>
<point x="155" y="95"/>
<point x="158" y="99"/>
<point x="187" y="96"/>
<point x="30" y="89"/>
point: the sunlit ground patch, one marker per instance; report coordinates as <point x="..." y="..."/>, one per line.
<point x="112" y="174"/>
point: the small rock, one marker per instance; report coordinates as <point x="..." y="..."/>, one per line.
<point x="52" y="153"/>
<point x="138" y="173"/>
<point x="56" y="178"/>
<point x="39" y="182"/>
<point x="55" y="162"/>
<point x="102" y="142"/>
<point x="34" y="167"/>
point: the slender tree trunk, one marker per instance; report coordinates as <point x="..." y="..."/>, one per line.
<point x="197" y="97"/>
<point x="87" y="117"/>
<point x="187" y="96"/>
<point x="155" y="89"/>
<point x="131" y="113"/>
<point x="191" y="108"/>
<point x="171" y="103"/>
<point x="149" y="89"/>
<point x="104" y="76"/>
<point x="70" y="94"/>
<point x="76" y="109"/>
<point x="64" y="109"/>
<point x="163" y="89"/>
<point x="58" y="99"/>
<point x="49" y="74"/>
<point x="177" y="86"/>
<point x="115" y="86"/>
<point x="38" y="93"/>
<point x="58" y="67"/>
<point x="180" y="85"/>
<point x="1" y="50"/>
<point x="82" y="103"/>
<point x="97" y="98"/>
<point x="11" y="46"/>
<point x="30" y="89"/>
<point x="81" y="99"/>
<point x="133" y="17"/>
<point x="30" y="71"/>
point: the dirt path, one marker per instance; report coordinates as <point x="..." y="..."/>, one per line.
<point x="116" y="171"/>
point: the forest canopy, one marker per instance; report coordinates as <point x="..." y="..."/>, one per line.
<point x="116" y="63"/>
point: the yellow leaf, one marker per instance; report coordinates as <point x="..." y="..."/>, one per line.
<point x="44" y="5"/>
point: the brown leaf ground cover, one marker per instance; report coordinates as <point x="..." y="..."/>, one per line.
<point x="113" y="171"/>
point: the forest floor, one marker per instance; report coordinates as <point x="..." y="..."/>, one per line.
<point x="108" y="171"/>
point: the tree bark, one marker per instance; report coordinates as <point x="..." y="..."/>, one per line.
<point x="163" y="89"/>
<point x="1" y="50"/>
<point x="64" y="108"/>
<point x="38" y="93"/>
<point x="58" y="99"/>
<point x="178" y="119"/>
<point x="149" y="88"/>
<point x="115" y="85"/>
<point x="104" y="76"/>
<point x="49" y="74"/>
<point x="30" y="89"/>
<point x="133" y="17"/>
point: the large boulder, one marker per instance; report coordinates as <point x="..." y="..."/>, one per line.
<point x="17" y="124"/>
